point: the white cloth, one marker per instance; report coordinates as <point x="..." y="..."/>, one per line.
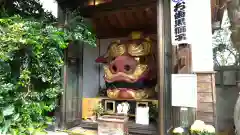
<point x="123" y="108"/>
<point x="119" y="108"/>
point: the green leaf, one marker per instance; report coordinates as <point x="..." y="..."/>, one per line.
<point x="1" y="118"/>
<point x="30" y="130"/>
<point x="14" y="132"/>
<point x="6" y="127"/>
<point x="16" y="117"/>
<point x="8" y="111"/>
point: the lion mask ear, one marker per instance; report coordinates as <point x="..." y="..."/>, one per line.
<point x="102" y="59"/>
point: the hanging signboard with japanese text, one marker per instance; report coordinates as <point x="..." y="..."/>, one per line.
<point x="178" y="22"/>
<point x="191" y="24"/>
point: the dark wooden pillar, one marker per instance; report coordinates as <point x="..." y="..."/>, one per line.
<point x="164" y="62"/>
<point x="61" y="124"/>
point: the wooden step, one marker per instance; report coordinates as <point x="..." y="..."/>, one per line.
<point x="133" y="128"/>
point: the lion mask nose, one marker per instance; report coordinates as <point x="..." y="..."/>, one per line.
<point x="123" y="64"/>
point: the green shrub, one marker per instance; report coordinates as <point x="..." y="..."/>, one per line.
<point x="31" y="58"/>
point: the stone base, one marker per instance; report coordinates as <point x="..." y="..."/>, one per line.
<point x="114" y="125"/>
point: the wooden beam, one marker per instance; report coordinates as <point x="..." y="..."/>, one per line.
<point x="61" y="20"/>
<point x="112" y="20"/>
<point x="69" y="4"/>
<point x="119" y="32"/>
<point x="120" y="18"/>
<point x="148" y="15"/>
<point x="113" y="6"/>
<point x="112" y="27"/>
<point x="164" y="46"/>
<point x="128" y="17"/>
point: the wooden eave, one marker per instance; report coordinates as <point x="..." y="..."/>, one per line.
<point x="114" y="6"/>
<point x="88" y="11"/>
<point x="120" y="17"/>
<point x="69" y="4"/>
<point x="121" y="22"/>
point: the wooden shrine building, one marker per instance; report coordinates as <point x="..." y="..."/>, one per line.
<point x="114" y="20"/>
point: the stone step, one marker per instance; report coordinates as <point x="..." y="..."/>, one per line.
<point x="82" y="131"/>
<point x="134" y="129"/>
<point x="56" y="133"/>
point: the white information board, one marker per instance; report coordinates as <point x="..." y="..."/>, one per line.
<point x="184" y="90"/>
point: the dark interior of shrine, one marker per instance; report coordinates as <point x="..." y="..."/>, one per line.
<point x="115" y="19"/>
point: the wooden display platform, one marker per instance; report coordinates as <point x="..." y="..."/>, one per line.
<point x="90" y="103"/>
<point x="148" y="99"/>
<point x="134" y="129"/>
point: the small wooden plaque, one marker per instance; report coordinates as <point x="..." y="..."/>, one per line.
<point x="88" y="104"/>
<point x="113" y="104"/>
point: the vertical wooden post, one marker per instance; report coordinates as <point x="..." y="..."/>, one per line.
<point x="61" y="20"/>
<point x="164" y="44"/>
<point x="184" y="116"/>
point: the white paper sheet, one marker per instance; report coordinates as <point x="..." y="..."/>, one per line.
<point x="184" y="90"/>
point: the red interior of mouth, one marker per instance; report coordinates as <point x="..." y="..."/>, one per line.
<point x="123" y="89"/>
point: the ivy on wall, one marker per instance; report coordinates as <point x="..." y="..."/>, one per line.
<point x="31" y="58"/>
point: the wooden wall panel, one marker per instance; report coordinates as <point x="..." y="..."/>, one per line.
<point x="206" y="97"/>
<point x="206" y="117"/>
<point x="184" y="55"/>
<point x="204" y="87"/>
<point x="204" y="78"/>
<point x="214" y="7"/>
<point x="205" y="107"/>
